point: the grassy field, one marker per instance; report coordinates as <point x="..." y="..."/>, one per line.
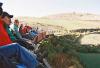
<point x="91" y="39"/>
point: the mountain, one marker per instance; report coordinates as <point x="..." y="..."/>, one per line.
<point x="74" y="16"/>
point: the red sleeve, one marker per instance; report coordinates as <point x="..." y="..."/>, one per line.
<point x="4" y="38"/>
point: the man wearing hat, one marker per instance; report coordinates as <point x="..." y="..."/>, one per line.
<point x="9" y="49"/>
<point x="4" y="38"/>
<point x="6" y="18"/>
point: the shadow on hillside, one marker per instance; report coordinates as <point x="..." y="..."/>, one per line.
<point x="92" y="30"/>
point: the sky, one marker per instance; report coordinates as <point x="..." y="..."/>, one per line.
<point x="39" y="8"/>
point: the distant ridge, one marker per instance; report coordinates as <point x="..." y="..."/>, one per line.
<point x="70" y="21"/>
<point x="73" y="16"/>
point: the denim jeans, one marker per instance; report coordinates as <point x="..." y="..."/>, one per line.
<point x="23" y="55"/>
<point x="27" y="36"/>
<point x="32" y="34"/>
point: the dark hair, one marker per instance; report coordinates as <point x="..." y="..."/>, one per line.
<point x="16" y="21"/>
<point x="1" y="10"/>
